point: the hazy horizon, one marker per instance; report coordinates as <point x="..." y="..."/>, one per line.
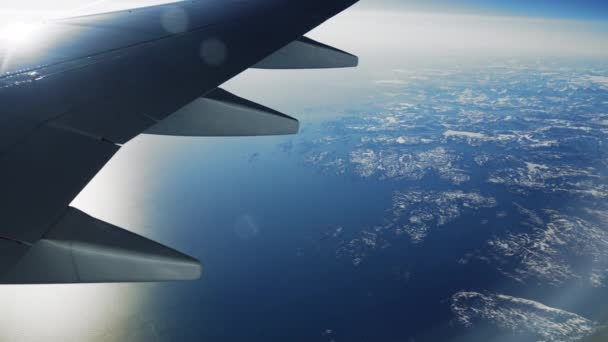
<point x="414" y="29"/>
<point x="564" y="9"/>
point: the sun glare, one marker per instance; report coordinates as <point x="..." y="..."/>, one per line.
<point x="18" y="33"/>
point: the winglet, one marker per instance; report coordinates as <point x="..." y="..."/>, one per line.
<point x="82" y="249"/>
<point x="305" y="53"/>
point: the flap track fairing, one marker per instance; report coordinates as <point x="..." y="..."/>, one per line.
<point x="305" y="53"/>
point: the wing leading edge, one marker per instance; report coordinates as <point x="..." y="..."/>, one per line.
<point x="91" y="84"/>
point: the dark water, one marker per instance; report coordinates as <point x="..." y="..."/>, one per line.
<point x="261" y="218"/>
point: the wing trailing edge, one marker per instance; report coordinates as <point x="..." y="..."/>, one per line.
<point x="221" y="113"/>
<point x="305" y="53"/>
<point x="82" y="249"/>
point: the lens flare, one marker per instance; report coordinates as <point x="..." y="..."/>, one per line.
<point x="19" y="33"/>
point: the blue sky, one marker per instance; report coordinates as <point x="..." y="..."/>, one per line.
<point x="581" y="9"/>
<point x="571" y="9"/>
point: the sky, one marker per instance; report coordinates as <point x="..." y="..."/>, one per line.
<point x="570" y="9"/>
<point x="565" y="9"/>
<point x="416" y="28"/>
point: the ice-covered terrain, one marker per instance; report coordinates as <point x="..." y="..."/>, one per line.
<point x="520" y="317"/>
<point x="512" y="153"/>
<point x="550" y="140"/>
<point x="553" y="249"/>
<point x="415" y="212"/>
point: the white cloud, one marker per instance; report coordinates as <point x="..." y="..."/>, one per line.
<point x="450" y="133"/>
<point x="601" y="80"/>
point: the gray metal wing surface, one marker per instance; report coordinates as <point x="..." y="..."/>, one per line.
<point x="74" y="90"/>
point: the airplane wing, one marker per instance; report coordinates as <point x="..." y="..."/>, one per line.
<point x="73" y="91"/>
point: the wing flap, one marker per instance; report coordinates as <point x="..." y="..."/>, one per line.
<point x="305" y="53"/>
<point x="82" y="249"/>
<point x="221" y="113"/>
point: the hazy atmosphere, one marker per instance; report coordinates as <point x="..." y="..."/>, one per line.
<point x="417" y="28"/>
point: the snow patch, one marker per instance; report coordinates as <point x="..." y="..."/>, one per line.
<point x="520" y="316"/>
